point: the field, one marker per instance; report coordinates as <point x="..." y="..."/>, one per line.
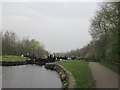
<point x="80" y="71"/>
<point x="12" y="58"/>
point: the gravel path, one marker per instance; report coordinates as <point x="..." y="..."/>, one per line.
<point x="103" y="77"/>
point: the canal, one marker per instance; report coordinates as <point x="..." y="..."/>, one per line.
<point x="29" y="76"/>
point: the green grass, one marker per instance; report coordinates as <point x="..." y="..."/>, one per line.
<point x="12" y="58"/>
<point x="80" y="71"/>
<point x="110" y="66"/>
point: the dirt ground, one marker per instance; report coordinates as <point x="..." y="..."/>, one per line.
<point x="103" y="77"/>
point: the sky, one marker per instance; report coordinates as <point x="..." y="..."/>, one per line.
<point x="60" y="26"/>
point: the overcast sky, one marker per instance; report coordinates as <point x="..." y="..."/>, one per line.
<point x="59" y="26"/>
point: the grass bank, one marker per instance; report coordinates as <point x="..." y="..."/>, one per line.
<point x="80" y="71"/>
<point x="12" y="58"/>
<point x="110" y="66"/>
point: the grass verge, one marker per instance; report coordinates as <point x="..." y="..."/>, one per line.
<point x="110" y="66"/>
<point x="12" y="58"/>
<point x="80" y="71"/>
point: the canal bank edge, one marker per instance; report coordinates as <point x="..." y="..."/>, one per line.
<point x="66" y="77"/>
<point x="16" y="63"/>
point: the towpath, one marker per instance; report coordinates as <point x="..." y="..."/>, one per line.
<point x="103" y="77"/>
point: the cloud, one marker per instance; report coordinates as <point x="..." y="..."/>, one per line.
<point x="22" y="18"/>
<point x="56" y="31"/>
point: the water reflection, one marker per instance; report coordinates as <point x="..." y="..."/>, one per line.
<point x="29" y="76"/>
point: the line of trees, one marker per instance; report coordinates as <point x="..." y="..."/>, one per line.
<point x="104" y="32"/>
<point x="11" y="45"/>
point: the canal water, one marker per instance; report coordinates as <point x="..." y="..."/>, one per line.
<point x="29" y="76"/>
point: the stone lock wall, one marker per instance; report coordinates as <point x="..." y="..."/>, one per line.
<point x="65" y="76"/>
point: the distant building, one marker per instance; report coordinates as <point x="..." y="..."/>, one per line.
<point x="56" y="54"/>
